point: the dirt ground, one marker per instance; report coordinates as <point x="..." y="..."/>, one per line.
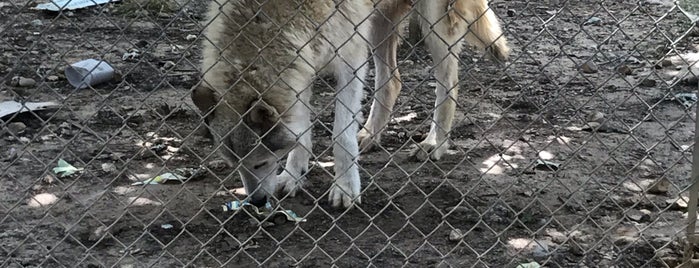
<point x="610" y="203"/>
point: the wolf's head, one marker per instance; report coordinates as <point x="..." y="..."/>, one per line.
<point x="250" y="135"/>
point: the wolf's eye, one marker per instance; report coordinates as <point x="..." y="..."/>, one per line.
<point x="259" y="165"/>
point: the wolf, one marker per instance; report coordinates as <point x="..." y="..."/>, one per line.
<point x="260" y="59"/>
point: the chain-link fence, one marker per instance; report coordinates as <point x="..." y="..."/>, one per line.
<point x="574" y="151"/>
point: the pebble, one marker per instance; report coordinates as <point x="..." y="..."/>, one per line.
<point x="663" y="63"/>
<point x="595" y="116"/>
<point x="108" y="167"/>
<point x="16" y="128"/>
<point x="511" y="12"/>
<point x="22" y="81"/>
<point x="593" y="21"/>
<point x="638" y="215"/>
<point x="625" y="70"/>
<point x="660" y="187"/>
<point x="52" y="78"/>
<point x="37" y="23"/>
<point x="648" y="82"/>
<point x="589" y="67"/>
<point x="456" y="235"/>
<point x="168" y="65"/>
<point x="190" y="37"/>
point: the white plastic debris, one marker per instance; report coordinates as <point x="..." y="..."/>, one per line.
<point x="58" y="5"/>
<point x="529" y="265"/>
<point x="89" y="72"/>
<point x="180" y="174"/>
<point x="63" y="169"/>
<point x="686" y="99"/>
<point x="13" y="107"/>
<point x="278" y="216"/>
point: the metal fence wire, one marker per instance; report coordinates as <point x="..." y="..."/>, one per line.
<point x="319" y="133"/>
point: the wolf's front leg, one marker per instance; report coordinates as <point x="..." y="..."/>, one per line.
<point x="347" y="186"/>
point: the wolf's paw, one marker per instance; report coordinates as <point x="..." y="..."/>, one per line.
<point x="429" y="150"/>
<point x="345" y="192"/>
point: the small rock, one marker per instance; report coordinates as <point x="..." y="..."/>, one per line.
<point x="638" y="216"/>
<point x="648" y="82"/>
<point x="52" y="78"/>
<point x="511" y="12"/>
<point x="217" y="165"/>
<point x="168" y="65"/>
<point x="663" y="63"/>
<point x="660" y="187"/>
<point x="37" y="23"/>
<point x="16" y="128"/>
<point x="624" y="240"/>
<point x="49" y="179"/>
<point x="108" y="167"/>
<point x="556" y="236"/>
<point x="677" y="203"/>
<point x="190" y="37"/>
<point x="595" y="116"/>
<point x="456" y="235"/>
<point x="593" y="21"/>
<point x="98" y="233"/>
<point x="589" y="68"/>
<point x="625" y="70"/>
<point x="22" y="81"/>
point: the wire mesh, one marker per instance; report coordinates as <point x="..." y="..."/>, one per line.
<point x="574" y="151"/>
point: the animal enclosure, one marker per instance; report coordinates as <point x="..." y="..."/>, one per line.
<point x="576" y="152"/>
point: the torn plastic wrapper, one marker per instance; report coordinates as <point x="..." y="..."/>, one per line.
<point x="180" y="174"/>
<point x="279" y="217"/>
<point x="13" y="107"/>
<point x="58" y="5"/>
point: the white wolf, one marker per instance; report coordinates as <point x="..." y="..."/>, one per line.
<point x="260" y="59"/>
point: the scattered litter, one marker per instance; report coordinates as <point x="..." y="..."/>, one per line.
<point x="686" y="99"/>
<point x="89" y="72"/>
<point x="131" y="55"/>
<point x="63" y="169"/>
<point x="529" y="265"/>
<point x="280" y="216"/>
<point x="58" y="5"/>
<point x="546" y="165"/>
<point x="180" y="174"/>
<point x="593" y="21"/>
<point x="130" y="251"/>
<point x="13" y="107"/>
<point x="166" y="226"/>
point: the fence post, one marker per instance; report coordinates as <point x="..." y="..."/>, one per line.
<point x="693" y="192"/>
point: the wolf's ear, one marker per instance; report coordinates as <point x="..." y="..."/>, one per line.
<point x="204" y="98"/>
<point x="262" y="114"/>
